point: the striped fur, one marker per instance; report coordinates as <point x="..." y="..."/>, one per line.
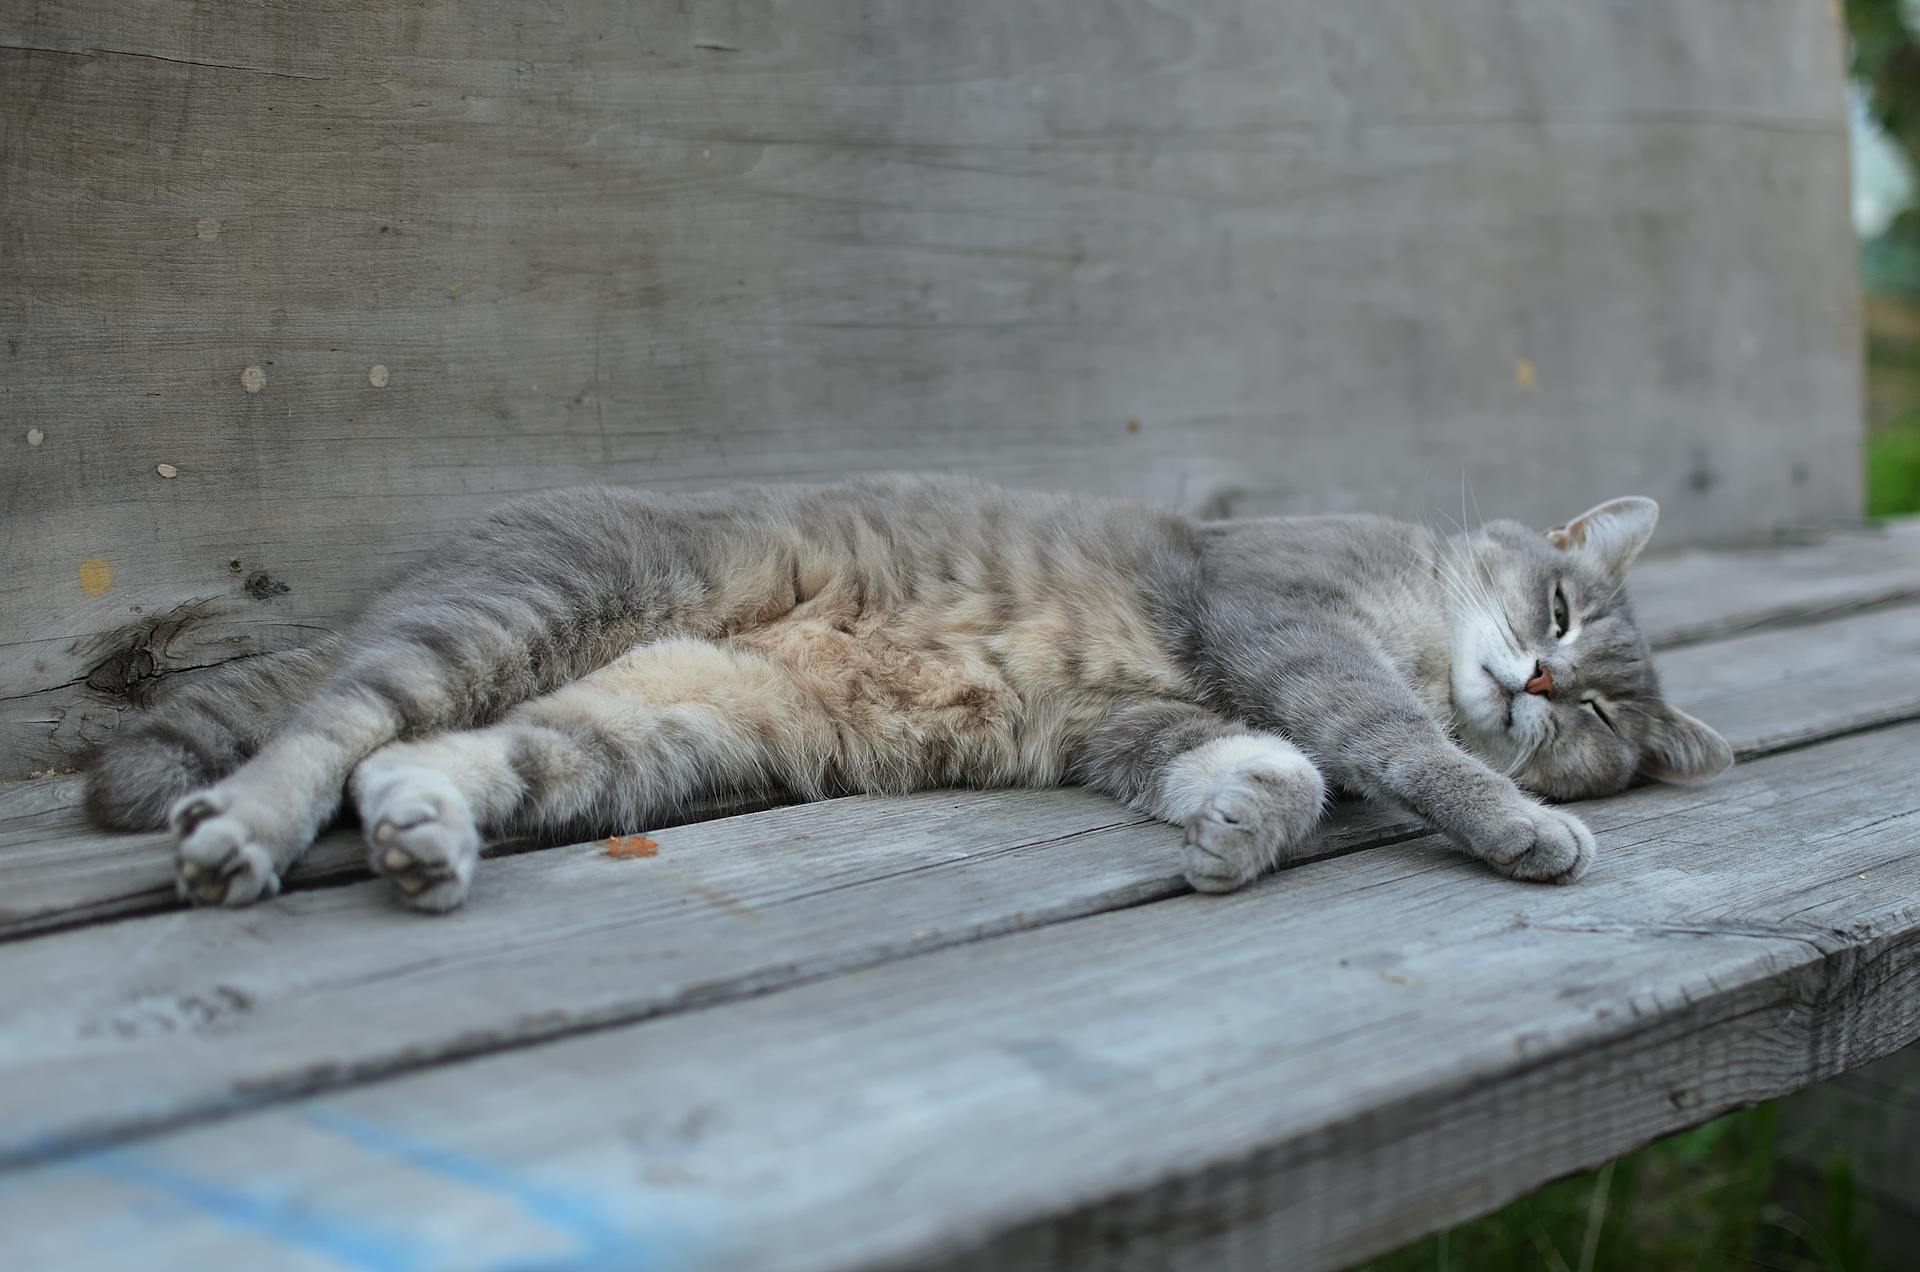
<point x="589" y="660"/>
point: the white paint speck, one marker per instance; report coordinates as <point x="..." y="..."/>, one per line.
<point x="377" y="376"/>
<point x="253" y="379"/>
<point x="35" y="437"/>
<point x="166" y="470"/>
<point x="207" y="229"/>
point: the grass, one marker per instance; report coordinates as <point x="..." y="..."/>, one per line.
<point x="1704" y="1200"/>
<point x="1892" y="324"/>
<point x="1893" y="467"/>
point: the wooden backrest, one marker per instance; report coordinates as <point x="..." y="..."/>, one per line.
<point x="289" y="289"/>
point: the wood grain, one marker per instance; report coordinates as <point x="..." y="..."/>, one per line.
<point x="1296" y="1075"/>
<point x="58" y="870"/>
<point x="1696" y="595"/>
<point x="1234" y="257"/>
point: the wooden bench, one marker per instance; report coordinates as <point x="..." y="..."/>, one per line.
<point x="288" y="289"/>
<point x="951" y="1029"/>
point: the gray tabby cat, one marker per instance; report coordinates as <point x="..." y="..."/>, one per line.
<point x="585" y="661"/>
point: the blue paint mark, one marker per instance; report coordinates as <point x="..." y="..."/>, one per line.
<point x="604" y="1242"/>
<point x="343" y="1242"/>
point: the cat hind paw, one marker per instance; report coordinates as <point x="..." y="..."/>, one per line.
<point x="421" y="836"/>
<point x="224" y="853"/>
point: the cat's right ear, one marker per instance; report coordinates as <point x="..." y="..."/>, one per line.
<point x="1612" y="533"/>
<point x="1679" y="748"/>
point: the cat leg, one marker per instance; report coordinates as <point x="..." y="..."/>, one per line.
<point x="1245" y="798"/>
<point x="529" y="597"/>
<point x="1344" y="698"/>
<point x="616" y="749"/>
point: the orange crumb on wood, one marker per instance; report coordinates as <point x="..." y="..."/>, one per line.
<point x="630" y="846"/>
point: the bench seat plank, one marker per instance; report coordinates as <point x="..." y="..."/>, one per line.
<point x="1295" y="1075"/>
<point x="1701" y="593"/>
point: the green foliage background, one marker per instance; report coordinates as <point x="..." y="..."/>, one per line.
<point x="1886" y="66"/>
<point x="1709" y="1199"/>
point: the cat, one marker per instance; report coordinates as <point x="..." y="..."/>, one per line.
<point x="582" y="662"/>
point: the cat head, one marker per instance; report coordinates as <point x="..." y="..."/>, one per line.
<point x="1551" y="679"/>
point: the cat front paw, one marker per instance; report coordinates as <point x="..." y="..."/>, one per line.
<point x="1538" y="844"/>
<point x="1251" y="821"/>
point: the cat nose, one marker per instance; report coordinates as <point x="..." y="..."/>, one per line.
<point x="1542" y="681"/>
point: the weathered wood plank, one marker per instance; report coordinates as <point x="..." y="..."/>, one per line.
<point x="179" y="1016"/>
<point x="1696" y="595"/>
<point x="1296" y="1075"/>
<point x="56" y="870"/>
<point x="1204" y="254"/>
<point x="176" y="1016"/>
<point x="1775" y="689"/>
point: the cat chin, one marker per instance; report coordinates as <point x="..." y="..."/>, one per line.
<point x="1495" y="731"/>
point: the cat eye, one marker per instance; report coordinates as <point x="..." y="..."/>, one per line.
<point x="1594" y="706"/>
<point x="1562" y="615"/>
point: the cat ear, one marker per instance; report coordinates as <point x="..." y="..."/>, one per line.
<point x="1679" y="748"/>
<point x="1611" y="534"/>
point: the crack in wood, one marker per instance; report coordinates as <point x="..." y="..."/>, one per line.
<point x="159" y="57"/>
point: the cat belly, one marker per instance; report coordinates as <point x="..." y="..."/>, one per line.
<point x="937" y="696"/>
<point x="900" y="716"/>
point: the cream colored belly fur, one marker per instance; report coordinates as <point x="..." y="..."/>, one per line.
<point x="896" y="697"/>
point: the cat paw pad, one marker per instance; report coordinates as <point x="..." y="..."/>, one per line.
<point x="420" y="835"/>
<point x="225" y="848"/>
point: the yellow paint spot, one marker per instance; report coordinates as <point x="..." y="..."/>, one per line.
<point x="95" y="575"/>
<point x="377" y="376"/>
<point x="1133" y="426"/>
<point x="166" y="470"/>
<point x="35" y="437"/>
<point x="253" y="379"/>
<point x="1523" y="373"/>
